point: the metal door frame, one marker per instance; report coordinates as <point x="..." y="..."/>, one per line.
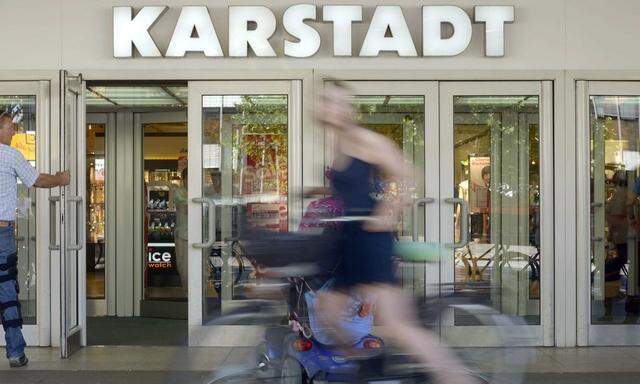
<point x="589" y="334"/>
<point x="232" y="335"/>
<point x="542" y="334"/>
<point x="72" y="339"/>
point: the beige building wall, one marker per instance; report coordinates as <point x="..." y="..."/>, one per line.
<point x="547" y="34"/>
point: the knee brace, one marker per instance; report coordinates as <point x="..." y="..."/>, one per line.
<point x="9" y="269"/>
<point x="10" y="274"/>
<point x="11" y="323"/>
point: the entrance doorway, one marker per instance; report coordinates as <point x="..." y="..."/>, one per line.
<point x="136" y="213"/>
<point x="135" y="171"/>
<point x="245" y="152"/>
<point x="222" y="153"/>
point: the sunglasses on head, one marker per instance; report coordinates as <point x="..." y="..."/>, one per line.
<point x="15" y="112"/>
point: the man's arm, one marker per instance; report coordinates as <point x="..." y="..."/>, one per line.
<point x="50" y="181"/>
<point x="30" y="176"/>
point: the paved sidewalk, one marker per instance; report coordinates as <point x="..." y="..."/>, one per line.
<point x="190" y="377"/>
<point x="619" y="365"/>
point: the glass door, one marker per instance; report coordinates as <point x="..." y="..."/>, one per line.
<point x="407" y="113"/>
<point x="165" y="170"/>
<point x="609" y="209"/>
<point x="495" y="190"/>
<point x="73" y="215"/>
<point x="479" y="189"/>
<point x="32" y="220"/>
<point x="243" y="140"/>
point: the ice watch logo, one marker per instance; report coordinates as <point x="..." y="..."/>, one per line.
<point x="253" y="26"/>
<point x="160" y="260"/>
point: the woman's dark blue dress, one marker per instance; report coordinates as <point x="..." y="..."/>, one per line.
<point x="366" y="257"/>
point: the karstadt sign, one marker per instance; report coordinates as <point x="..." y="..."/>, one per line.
<point x="253" y="26"/>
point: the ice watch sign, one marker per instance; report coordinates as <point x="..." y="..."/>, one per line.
<point x="251" y="27"/>
<point x="160" y="256"/>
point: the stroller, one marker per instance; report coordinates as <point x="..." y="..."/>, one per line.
<point x="304" y="350"/>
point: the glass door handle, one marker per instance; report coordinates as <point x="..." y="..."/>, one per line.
<point x="414" y="212"/>
<point x="464" y="221"/>
<point x="77" y="200"/>
<point x="53" y="200"/>
<point x="212" y="221"/>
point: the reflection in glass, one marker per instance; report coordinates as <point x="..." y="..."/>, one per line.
<point x="25" y="142"/>
<point x="496" y="171"/>
<point x="615" y="187"/>
<point x="96" y="257"/>
<point x="401" y="119"/>
<point x="245" y="172"/>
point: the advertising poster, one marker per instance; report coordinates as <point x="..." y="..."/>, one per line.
<point x="99" y="170"/>
<point x="26" y="144"/>
<point x="479" y="183"/>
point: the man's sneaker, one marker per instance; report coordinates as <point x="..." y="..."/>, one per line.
<point x="16" y="362"/>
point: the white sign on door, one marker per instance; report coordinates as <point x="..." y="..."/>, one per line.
<point x="211" y="156"/>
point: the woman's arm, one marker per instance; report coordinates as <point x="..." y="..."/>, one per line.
<point x="386" y="155"/>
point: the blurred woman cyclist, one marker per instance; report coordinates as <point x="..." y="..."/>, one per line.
<point x="366" y="241"/>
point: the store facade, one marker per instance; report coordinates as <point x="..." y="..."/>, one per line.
<point x="521" y="128"/>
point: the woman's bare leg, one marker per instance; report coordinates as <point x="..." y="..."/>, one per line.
<point x="332" y="306"/>
<point x="399" y="326"/>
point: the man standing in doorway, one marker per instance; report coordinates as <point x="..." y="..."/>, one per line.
<point x="13" y="166"/>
